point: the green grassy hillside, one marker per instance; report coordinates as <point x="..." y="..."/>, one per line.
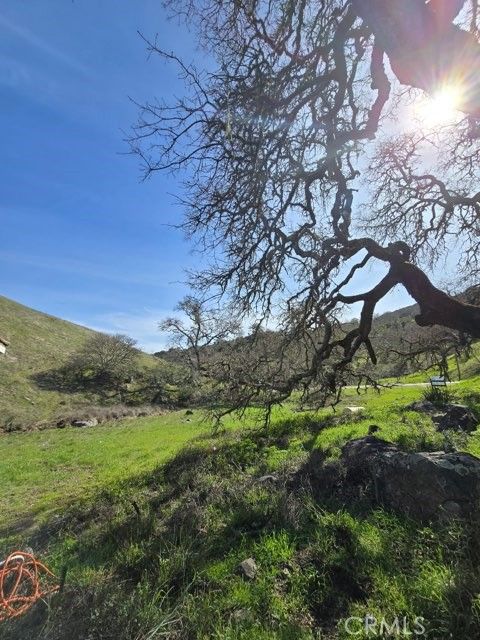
<point x="38" y="343"/>
<point x="38" y="466"/>
<point x="153" y="551"/>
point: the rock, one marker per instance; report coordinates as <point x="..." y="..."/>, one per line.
<point x="448" y="416"/>
<point x="456" y="416"/>
<point x="358" y="454"/>
<point x="91" y="422"/>
<point x="241" y="615"/>
<point x="248" y="568"/>
<point x="189" y="412"/>
<point x="423" y="406"/>
<point x="424" y="486"/>
<point x="267" y="478"/>
<point x="354" y="410"/>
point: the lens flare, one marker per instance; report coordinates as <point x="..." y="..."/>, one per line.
<point x="440" y="108"/>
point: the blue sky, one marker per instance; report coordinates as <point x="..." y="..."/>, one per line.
<point x="82" y="237"/>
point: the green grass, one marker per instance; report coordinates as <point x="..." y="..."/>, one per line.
<point x="169" y="566"/>
<point x="387" y="409"/>
<point x="155" y="530"/>
<point x="44" y="471"/>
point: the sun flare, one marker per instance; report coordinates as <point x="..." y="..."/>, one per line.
<point x="440" y="108"/>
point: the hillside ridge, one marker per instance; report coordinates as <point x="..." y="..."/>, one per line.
<point x="38" y="342"/>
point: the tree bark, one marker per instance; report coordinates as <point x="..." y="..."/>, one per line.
<point x="437" y="307"/>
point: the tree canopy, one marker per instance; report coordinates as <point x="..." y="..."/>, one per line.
<point x="301" y="167"/>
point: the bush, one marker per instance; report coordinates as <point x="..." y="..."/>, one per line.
<point x="9" y="424"/>
<point x="438" y="395"/>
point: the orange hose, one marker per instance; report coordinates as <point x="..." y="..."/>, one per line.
<point x="21" y="577"/>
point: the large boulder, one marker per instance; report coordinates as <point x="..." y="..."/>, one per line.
<point x="424" y="486"/>
<point x="448" y="416"/>
<point x="456" y="416"/>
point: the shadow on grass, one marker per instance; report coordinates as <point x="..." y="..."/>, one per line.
<point x="165" y="549"/>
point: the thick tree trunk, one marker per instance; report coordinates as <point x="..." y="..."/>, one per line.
<point x="436" y="307"/>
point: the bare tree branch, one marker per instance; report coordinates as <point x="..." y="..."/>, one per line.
<point x="271" y="145"/>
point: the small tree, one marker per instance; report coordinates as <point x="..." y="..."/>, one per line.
<point x="199" y="329"/>
<point x="160" y="384"/>
<point x="106" y="361"/>
<point x="433" y="349"/>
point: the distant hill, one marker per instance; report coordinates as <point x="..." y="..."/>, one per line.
<point x="388" y="324"/>
<point x="38" y="343"/>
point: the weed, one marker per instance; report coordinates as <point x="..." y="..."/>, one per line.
<point x="439" y="396"/>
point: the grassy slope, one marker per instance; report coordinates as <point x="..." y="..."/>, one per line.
<point x="42" y="472"/>
<point x="38" y="467"/>
<point x="39" y="342"/>
<point x="169" y="571"/>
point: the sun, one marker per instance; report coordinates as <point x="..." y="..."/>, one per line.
<point x="438" y="109"/>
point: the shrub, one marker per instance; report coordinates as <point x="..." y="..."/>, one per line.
<point x="438" y="395"/>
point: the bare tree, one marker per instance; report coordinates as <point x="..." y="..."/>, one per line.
<point x="274" y="140"/>
<point x="198" y="329"/>
<point x="433" y="349"/>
